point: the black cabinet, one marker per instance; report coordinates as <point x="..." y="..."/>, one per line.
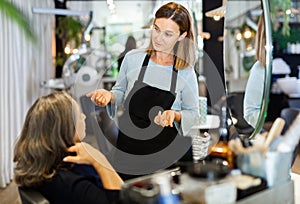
<point x="279" y="101"/>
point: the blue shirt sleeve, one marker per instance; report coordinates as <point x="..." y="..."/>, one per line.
<point x="254" y="93"/>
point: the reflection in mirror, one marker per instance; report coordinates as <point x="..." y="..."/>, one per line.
<point x="255" y="87"/>
<point x="246" y="63"/>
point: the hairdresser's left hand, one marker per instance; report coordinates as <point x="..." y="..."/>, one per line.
<point x="167" y="118"/>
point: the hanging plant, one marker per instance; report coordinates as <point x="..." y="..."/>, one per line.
<point x="69" y="30"/>
<point x="282" y="40"/>
<point x="278" y="10"/>
<point x="15" y="14"/>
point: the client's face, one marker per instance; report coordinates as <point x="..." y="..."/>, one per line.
<point x="79" y="123"/>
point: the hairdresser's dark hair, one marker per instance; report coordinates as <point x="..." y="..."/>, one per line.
<point x="184" y="49"/>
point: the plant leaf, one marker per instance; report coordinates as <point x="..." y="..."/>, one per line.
<point x="15" y="14"/>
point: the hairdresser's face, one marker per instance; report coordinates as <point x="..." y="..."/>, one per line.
<point x="79" y="123"/>
<point x="165" y="34"/>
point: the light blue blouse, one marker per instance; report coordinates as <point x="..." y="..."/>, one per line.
<point x="254" y="93"/>
<point x="159" y="76"/>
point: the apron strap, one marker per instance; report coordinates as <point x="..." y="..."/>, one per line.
<point x="144" y="66"/>
<point x="174" y="77"/>
<point x="174" y="73"/>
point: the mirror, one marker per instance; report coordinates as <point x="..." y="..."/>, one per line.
<point x="247" y="81"/>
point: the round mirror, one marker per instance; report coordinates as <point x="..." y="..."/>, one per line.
<point x="247" y="63"/>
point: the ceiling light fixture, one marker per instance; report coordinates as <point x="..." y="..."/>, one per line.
<point x="111" y="6"/>
<point x="217" y="13"/>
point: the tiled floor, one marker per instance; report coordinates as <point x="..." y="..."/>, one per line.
<point x="10" y="195"/>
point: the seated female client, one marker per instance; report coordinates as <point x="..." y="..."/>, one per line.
<point x="51" y="159"/>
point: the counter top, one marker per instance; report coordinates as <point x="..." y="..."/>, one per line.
<point x="287" y="192"/>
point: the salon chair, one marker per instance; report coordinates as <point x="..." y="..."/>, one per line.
<point x="30" y="196"/>
<point x="100" y="125"/>
<point x="289" y="115"/>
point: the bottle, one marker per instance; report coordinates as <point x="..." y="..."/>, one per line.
<point x="221" y="150"/>
<point x="165" y="191"/>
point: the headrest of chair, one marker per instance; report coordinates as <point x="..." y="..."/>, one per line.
<point x="31" y="196"/>
<point x="87" y="76"/>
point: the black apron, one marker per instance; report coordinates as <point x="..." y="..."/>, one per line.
<point x="138" y="134"/>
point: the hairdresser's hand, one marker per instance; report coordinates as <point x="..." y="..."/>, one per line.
<point x="85" y="154"/>
<point x="101" y="97"/>
<point x="167" y="118"/>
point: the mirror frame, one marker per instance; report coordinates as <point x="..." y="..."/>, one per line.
<point x="268" y="71"/>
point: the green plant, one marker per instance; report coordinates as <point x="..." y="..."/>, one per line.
<point x="278" y="10"/>
<point x="282" y="40"/>
<point x="69" y="30"/>
<point x="12" y="12"/>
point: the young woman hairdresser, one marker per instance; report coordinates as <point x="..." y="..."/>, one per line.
<point x="51" y="159"/>
<point x="159" y="90"/>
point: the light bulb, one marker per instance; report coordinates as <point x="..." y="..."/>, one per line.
<point x="67" y="49"/>
<point x="238" y="36"/>
<point x="217" y="18"/>
<point x="247" y="34"/>
<point x="75" y="51"/>
<point x="288" y="11"/>
<point x="87" y="37"/>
